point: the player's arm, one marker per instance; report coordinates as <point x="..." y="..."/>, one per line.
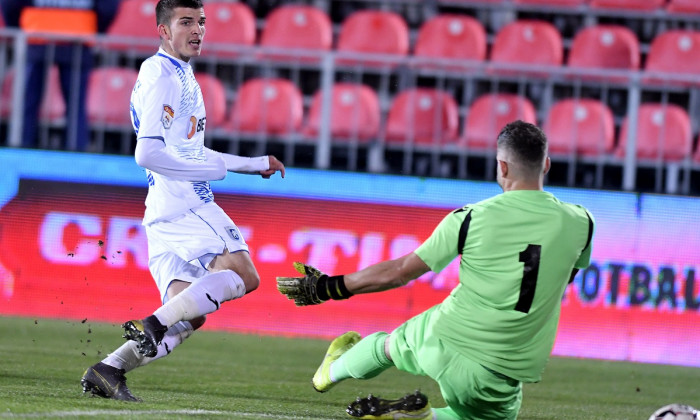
<point x="434" y="254"/>
<point x="157" y="98"/>
<point x="151" y="154"/>
<point x="316" y="287"/>
<point x="386" y="275"/>
<point x="264" y="166"/>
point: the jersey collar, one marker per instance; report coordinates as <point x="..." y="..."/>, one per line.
<point x="177" y="62"/>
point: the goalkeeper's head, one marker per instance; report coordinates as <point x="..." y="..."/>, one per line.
<point x="522" y="156"/>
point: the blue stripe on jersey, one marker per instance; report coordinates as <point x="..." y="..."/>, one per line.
<point x="201" y="188"/>
<point x="197" y="154"/>
<point x="172" y="60"/>
<point x="135" y="118"/>
<point x="203" y="191"/>
<point x="189" y="87"/>
<point x="149" y="175"/>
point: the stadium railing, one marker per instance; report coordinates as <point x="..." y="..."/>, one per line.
<point x="465" y="80"/>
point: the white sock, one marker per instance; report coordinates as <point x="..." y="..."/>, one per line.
<point x="173" y="338"/>
<point x="202" y="297"/>
<point x="127" y="356"/>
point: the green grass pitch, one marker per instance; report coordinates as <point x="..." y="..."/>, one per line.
<point x="232" y="376"/>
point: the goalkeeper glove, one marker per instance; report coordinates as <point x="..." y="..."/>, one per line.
<point x="314" y="288"/>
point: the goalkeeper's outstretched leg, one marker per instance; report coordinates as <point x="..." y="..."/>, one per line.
<point x="348" y="356"/>
<point x="322" y="381"/>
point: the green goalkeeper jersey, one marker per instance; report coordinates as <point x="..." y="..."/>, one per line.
<point x="518" y="250"/>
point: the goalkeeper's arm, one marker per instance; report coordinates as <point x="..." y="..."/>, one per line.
<point x="316" y="287"/>
<point x="386" y="275"/>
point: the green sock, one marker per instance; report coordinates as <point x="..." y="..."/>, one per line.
<point x="364" y="360"/>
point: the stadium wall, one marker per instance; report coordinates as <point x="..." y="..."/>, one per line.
<point x="72" y="247"/>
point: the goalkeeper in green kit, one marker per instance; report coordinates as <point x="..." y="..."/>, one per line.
<point x="518" y="252"/>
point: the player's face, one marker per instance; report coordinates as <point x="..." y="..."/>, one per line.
<point x="184" y="36"/>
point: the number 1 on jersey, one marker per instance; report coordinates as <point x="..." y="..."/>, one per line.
<point x="531" y="259"/>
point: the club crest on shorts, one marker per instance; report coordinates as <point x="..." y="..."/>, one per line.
<point x="168" y="116"/>
<point x="233" y="233"/>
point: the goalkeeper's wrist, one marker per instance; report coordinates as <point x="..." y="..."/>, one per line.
<point x="332" y="287"/>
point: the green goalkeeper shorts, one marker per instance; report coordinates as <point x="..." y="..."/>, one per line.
<point x="470" y="390"/>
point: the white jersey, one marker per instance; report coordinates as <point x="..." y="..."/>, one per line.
<point x="167" y="105"/>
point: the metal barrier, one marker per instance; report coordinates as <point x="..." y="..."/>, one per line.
<point x="318" y="71"/>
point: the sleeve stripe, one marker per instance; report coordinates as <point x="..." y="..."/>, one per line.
<point x="590" y="231"/>
<point x="463" y="229"/>
<point x="152" y="137"/>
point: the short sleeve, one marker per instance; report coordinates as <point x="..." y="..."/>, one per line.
<point x="442" y="246"/>
<point x="584" y="260"/>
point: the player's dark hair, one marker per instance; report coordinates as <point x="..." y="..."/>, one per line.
<point x="526" y="141"/>
<point x="165" y="8"/>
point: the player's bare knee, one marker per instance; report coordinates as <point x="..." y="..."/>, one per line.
<point x="249" y="275"/>
<point x="251" y="281"/>
<point x="198" y="322"/>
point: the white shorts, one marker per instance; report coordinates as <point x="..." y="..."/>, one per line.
<point x="182" y="248"/>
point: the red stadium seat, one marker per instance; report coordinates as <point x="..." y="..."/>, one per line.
<point x="373" y="32"/>
<point x="663" y="131"/>
<point x="109" y="95"/>
<point x="53" y="105"/>
<point x="354" y="113"/>
<point x="298" y="27"/>
<point x="214" y="95"/>
<point x="422" y="116"/>
<point x="609" y="47"/>
<point x="556" y="3"/>
<point x="489" y="113"/>
<point x="228" y="23"/>
<point x="628" y="4"/>
<point x="135" y="21"/>
<point x="452" y="36"/>
<point x="675" y="52"/>
<point x="582" y="126"/>
<point x="271" y="106"/>
<point x="528" y="42"/>
<point x="683" y="6"/>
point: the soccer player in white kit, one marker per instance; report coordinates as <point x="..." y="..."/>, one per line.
<point x="197" y="256"/>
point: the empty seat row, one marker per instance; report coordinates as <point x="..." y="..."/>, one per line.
<point x="586" y="127"/>
<point x="579" y="126"/>
<point x="537" y="43"/>
<point x="420" y="117"/>
<point x="231" y="23"/>
<point x="672" y="6"/>
<point x="429" y="119"/>
<point x="448" y="36"/>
